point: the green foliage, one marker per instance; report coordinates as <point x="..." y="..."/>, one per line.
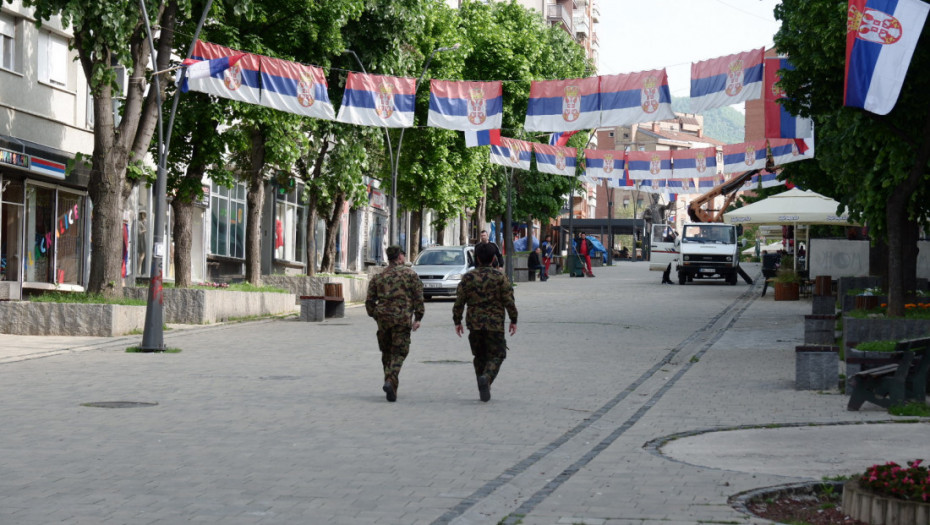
<point x="910" y="483"/>
<point x="912" y="409"/>
<point x="83" y="298"/>
<point x="877" y="346"/>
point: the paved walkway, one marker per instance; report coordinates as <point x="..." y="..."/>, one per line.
<point x="622" y="401"/>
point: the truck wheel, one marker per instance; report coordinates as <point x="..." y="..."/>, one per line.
<point x="731" y="279"/>
<point x="681" y="277"/>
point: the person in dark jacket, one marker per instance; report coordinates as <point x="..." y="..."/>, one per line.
<point x="533" y="263"/>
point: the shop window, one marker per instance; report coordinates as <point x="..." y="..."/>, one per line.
<point x="11" y="230"/>
<point x="40" y="234"/>
<point x="227" y="221"/>
<point x="70" y="243"/>
<point x="289" y="233"/>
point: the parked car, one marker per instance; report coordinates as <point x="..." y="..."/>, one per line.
<point x="442" y="267"/>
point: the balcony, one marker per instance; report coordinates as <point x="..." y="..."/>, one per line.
<point x="595" y="41"/>
<point x="595" y="12"/>
<point x="559" y="14"/>
<point x="581" y="25"/>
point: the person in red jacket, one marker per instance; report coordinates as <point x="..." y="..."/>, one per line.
<point x="584" y="250"/>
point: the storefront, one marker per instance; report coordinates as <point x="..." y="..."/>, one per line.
<point x="44" y="227"/>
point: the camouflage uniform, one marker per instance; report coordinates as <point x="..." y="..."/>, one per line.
<point x="394" y="296"/>
<point x="487" y="292"/>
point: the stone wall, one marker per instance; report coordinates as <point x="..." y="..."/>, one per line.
<point x="97" y="320"/>
<point x="354" y="289"/>
<point x="200" y="306"/>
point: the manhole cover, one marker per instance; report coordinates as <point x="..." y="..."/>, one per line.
<point x="118" y="404"/>
<point x="279" y="378"/>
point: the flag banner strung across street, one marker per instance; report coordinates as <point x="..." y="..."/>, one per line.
<point x="682" y="186"/>
<point x="698" y="162"/>
<point x="708" y="183"/>
<point x="779" y="123"/>
<point x="880" y="39"/>
<point x="485" y="137"/>
<point x="197" y="69"/>
<point x="563" y="105"/>
<point x="512" y="153"/>
<point x="726" y="80"/>
<point x="613" y="182"/>
<point x="649" y="164"/>
<point x="765" y="179"/>
<point x="465" y="106"/>
<point x="635" y="97"/>
<point x="604" y="163"/>
<point x="785" y="151"/>
<point x="241" y="81"/>
<point x="378" y="100"/>
<point x="651" y="185"/>
<point x="744" y="157"/>
<point x="557" y="160"/>
<point x="295" y="88"/>
<point x="560" y="138"/>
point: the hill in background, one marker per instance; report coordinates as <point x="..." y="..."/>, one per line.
<point x="724" y="124"/>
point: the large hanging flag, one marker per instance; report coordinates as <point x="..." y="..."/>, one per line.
<point x="197" y="69"/>
<point x="557" y="160"/>
<point x="680" y="186"/>
<point x="604" y="163"/>
<point x="706" y="184"/>
<point x="635" y="97"/>
<point x="699" y="162"/>
<point x="779" y="123"/>
<point x="563" y="105"/>
<point x="726" y="80"/>
<point x="295" y="88"/>
<point x="240" y="81"/>
<point x="765" y="179"/>
<point x="785" y="151"/>
<point x="377" y="100"/>
<point x="465" y="106"/>
<point x="485" y="137"/>
<point x="744" y="157"/>
<point x="512" y="153"/>
<point x="649" y="164"/>
<point x="560" y="138"/>
<point x="880" y="39"/>
<point x="651" y="185"/>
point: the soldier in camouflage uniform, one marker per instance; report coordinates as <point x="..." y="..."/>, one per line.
<point x="487" y="292"/>
<point x="395" y="300"/>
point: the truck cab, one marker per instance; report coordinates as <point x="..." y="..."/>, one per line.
<point x="663" y="247"/>
<point x="708" y="251"/>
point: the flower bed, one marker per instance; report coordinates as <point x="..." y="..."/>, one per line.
<point x="889" y="493"/>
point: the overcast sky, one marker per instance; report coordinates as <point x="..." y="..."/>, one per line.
<point x="639" y="35"/>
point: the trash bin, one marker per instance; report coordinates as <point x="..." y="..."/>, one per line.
<point x="573" y="265"/>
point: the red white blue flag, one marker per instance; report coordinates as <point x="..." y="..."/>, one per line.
<point x="765" y="179"/>
<point x="512" y="153"/>
<point x="779" y="123"/>
<point x="377" y="100"/>
<point x="726" y="80"/>
<point x="295" y="88"/>
<point x="465" y="106"/>
<point x="649" y="164"/>
<point x="708" y="183"/>
<point x="744" y="157"/>
<point x="557" y="160"/>
<point x="651" y="185"/>
<point x="604" y="163"/>
<point x="560" y="138"/>
<point x="700" y="162"/>
<point x="485" y="137"/>
<point x="240" y="81"/>
<point x="680" y="186"/>
<point x="563" y="105"/>
<point x="880" y="39"/>
<point x="208" y="68"/>
<point x="635" y="97"/>
<point x="785" y="151"/>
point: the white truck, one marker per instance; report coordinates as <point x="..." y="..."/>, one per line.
<point x="703" y="251"/>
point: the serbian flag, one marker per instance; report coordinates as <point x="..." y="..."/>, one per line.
<point x="560" y="138"/>
<point x="485" y="137"/>
<point x="880" y="39"/>
<point x="604" y="163"/>
<point x="241" y="80"/>
<point x="765" y="179"/>
<point x="651" y="185"/>
<point x="563" y="105"/>
<point x="649" y="164"/>
<point x="778" y="122"/>
<point x="785" y="151"/>
<point x="708" y="183"/>
<point x="377" y="100"/>
<point x="744" y="157"/>
<point x="557" y="160"/>
<point x="726" y="80"/>
<point x="680" y="186"/>
<point x="512" y="153"/>
<point x="465" y="106"/>
<point x="635" y="97"/>
<point x="295" y="88"/>
<point x="700" y="162"/>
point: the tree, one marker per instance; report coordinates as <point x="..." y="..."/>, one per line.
<point x="108" y="34"/>
<point x="876" y="165"/>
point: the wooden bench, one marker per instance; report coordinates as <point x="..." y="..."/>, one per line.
<point x="903" y="378"/>
<point x="318" y="307"/>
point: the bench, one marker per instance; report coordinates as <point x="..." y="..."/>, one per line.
<point x="904" y="377"/>
<point x="315" y="308"/>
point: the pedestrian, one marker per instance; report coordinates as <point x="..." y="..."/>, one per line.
<point x="395" y="300"/>
<point x="534" y="263"/>
<point x="487" y="293"/>
<point x="670" y="236"/>
<point x="498" y="258"/>
<point x="547" y="249"/>
<point x="585" y="247"/>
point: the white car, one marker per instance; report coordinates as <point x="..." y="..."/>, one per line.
<point x="441" y="268"/>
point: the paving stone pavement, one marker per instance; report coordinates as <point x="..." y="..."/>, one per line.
<point x="622" y="401"/>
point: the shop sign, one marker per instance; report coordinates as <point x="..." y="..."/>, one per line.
<point x="12" y="158"/>
<point x="377" y="200"/>
<point x="49" y="168"/>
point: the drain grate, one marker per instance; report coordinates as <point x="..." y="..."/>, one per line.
<point x="118" y="404"/>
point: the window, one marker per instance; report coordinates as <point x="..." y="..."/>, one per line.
<point x="289" y="232"/>
<point x="8" y="42"/>
<point x="227" y="220"/>
<point x="53" y="59"/>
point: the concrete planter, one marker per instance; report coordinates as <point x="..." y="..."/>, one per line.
<point x="861" y="504"/>
<point x="858" y="330"/>
<point x="823" y="305"/>
<point x="816" y="367"/>
<point x="78" y="319"/>
<point x="199" y="306"/>
<point x="819" y="329"/>
<point x="354" y="289"/>
<point x="787" y="291"/>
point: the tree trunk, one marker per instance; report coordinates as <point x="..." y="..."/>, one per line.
<point x="332" y="224"/>
<point x="482" y="213"/>
<point x="415" y="227"/>
<point x="463" y="230"/>
<point x="181" y="234"/>
<point x="441" y="235"/>
<point x="529" y="233"/>
<point x="910" y="235"/>
<point x="311" y="235"/>
<point x="254" y="200"/>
